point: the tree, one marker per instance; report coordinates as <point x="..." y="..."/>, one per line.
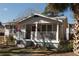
<point x="74" y="7"/>
<point x="0" y="24"/>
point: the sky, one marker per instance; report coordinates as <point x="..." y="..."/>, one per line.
<point x="10" y="11"/>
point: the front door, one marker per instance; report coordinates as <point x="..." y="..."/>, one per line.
<point x="28" y="32"/>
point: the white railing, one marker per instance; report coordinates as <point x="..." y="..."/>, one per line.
<point x="43" y="37"/>
<point x="48" y="36"/>
<point x="51" y="35"/>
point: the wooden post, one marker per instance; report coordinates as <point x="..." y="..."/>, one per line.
<point x="67" y="33"/>
<point x="57" y="32"/>
<point x="36" y="24"/>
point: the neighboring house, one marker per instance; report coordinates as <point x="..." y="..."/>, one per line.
<point x="9" y="28"/>
<point x="71" y="30"/>
<point x="2" y="36"/>
<point x="41" y="29"/>
<point x="2" y="30"/>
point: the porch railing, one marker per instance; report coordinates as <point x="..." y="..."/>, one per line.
<point x="43" y="37"/>
<point x="46" y="35"/>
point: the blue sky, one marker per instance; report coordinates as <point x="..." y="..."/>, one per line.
<point x="10" y="11"/>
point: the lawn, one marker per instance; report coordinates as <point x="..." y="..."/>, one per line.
<point x="14" y="51"/>
<point x="11" y="50"/>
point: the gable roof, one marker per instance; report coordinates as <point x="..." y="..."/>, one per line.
<point x="60" y="19"/>
<point x="9" y="23"/>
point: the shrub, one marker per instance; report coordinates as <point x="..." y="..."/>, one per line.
<point x="10" y="40"/>
<point x="66" y="46"/>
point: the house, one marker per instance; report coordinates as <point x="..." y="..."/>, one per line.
<point x="38" y="29"/>
<point x="9" y="28"/>
<point x="1" y="30"/>
<point x="2" y="36"/>
<point x="71" y="30"/>
<point x="41" y="29"/>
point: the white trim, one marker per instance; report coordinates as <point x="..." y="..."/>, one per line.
<point x="52" y="18"/>
<point x="25" y="31"/>
<point x="67" y="33"/>
<point x="53" y="41"/>
<point x="57" y="32"/>
<point x="46" y="28"/>
<point x="36" y="30"/>
<point x="52" y="27"/>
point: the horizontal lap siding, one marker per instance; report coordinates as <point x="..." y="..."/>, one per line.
<point x="32" y="20"/>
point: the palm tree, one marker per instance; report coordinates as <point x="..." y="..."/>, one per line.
<point x="74" y="7"/>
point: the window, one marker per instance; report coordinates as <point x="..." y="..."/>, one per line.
<point x="43" y="27"/>
<point x="39" y="27"/>
<point x="49" y="27"/>
<point x="33" y="28"/>
<point x="54" y="27"/>
<point x="7" y="26"/>
<point x="1" y="34"/>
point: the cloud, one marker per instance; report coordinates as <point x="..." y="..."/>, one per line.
<point x="5" y="9"/>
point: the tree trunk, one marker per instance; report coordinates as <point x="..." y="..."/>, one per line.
<point x="76" y="37"/>
<point x="76" y="29"/>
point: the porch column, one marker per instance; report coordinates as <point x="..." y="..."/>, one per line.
<point x="57" y="32"/>
<point x="36" y="24"/>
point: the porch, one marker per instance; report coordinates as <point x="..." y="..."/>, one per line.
<point x="40" y="33"/>
<point x="44" y="32"/>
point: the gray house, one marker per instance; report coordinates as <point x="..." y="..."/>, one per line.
<point x="38" y="29"/>
<point x="41" y="29"/>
